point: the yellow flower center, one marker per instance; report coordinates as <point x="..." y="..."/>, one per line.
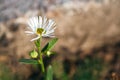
<point x="40" y="31"/>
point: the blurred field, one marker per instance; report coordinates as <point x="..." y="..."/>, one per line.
<point x="88" y="46"/>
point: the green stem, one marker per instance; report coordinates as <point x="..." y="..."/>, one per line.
<point x="40" y="54"/>
<point x="42" y="64"/>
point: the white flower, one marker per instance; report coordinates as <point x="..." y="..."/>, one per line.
<point x="41" y="26"/>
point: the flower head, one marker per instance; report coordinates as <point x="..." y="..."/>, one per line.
<point x="41" y="26"/>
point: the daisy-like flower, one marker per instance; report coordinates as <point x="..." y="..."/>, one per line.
<point x="41" y="26"/>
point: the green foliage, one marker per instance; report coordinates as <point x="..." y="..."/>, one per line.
<point x="90" y="69"/>
<point x="59" y="71"/>
<point x="37" y="56"/>
<point x="28" y="61"/>
<point x="34" y="54"/>
<point x="37" y="43"/>
<point x="49" y="75"/>
<point x="49" y="45"/>
<point x="6" y="73"/>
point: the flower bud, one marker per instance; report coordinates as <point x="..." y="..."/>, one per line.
<point x="49" y="53"/>
<point x="33" y="54"/>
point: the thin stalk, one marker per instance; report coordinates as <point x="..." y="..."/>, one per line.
<point x="42" y="64"/>
<point x="40" y="54"/>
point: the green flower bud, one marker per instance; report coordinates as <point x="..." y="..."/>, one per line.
<point x="33" y="54"/>
<point x="49" y="53"/>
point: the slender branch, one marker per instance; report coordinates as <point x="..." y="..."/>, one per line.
<point x="40" y="54"/>
<point x="42" y="64"/>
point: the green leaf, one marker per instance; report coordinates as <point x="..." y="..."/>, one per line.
<point x="37" y="43"/>
<point x="49" y="73"/>
<point x="28" y="61"/>
<point x="49" y="45"/>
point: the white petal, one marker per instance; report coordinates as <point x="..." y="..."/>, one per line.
<point x="48" y="35"/>
<point x="53" y="28"/>
<point x="44" y="20"/>
<point x="46" y="24"/>
<point x="35" y="38"/>
<point x="31" y="24"/>
<point x="35" y="20"/>
<point x="29" y="32"/>
<point x="50" y="24"/>
<point x="40" y="22"/>
<point x="49" y="32"/>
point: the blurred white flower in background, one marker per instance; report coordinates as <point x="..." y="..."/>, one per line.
<point x="41" y="26"/>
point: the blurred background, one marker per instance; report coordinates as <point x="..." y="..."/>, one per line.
<point x="88" y="32"/>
